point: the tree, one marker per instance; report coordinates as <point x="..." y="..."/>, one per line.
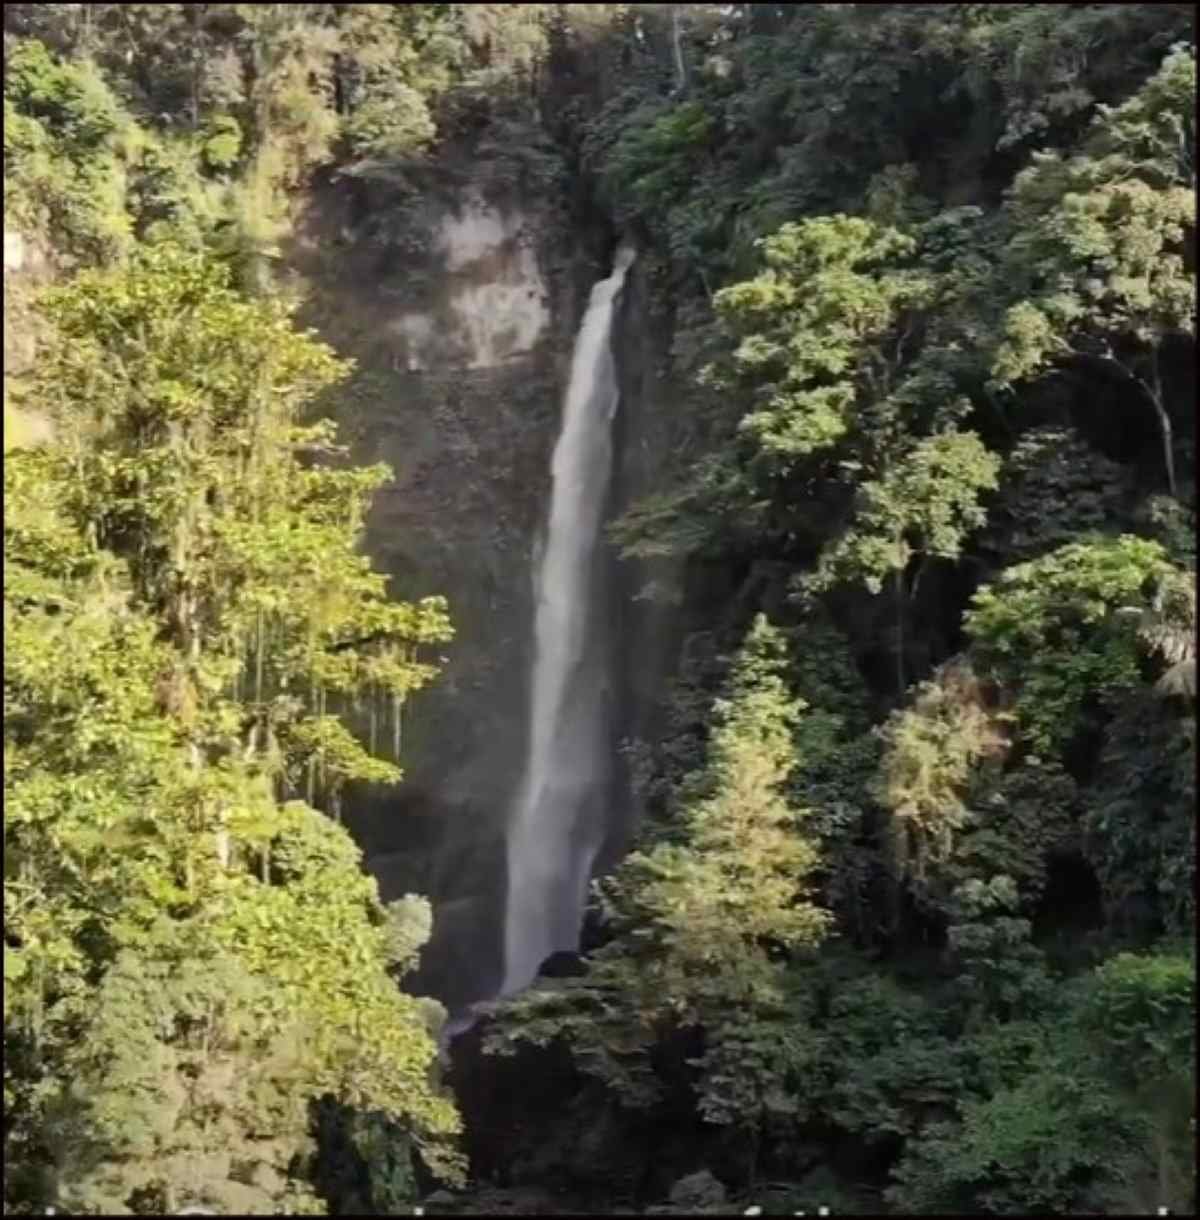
<point x="180" y="400"/>
<point x="822" y="331"/>
<point x="846" y="381"/>
<point x="1100" y="246"/>
<point x="1139" y="830"/>
<point x="196" y="959"/>
<point x="1050" y="631"/>
<point x="1090" y="1114"/>
<point x="923" y="507"/>
<point x="699" y="920"/>
<point x="66" y="149"/>
<point x="1140" y="1013"/>
<point x="1000" y="971"/>
<point x="931" y="749"/>
<point x="731" y="886"/>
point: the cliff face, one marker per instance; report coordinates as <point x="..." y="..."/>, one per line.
<point x="645" y="594"/>
<point x="460" y="302"/>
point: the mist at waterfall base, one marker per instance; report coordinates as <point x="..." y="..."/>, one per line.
<point x="559" y="820"/>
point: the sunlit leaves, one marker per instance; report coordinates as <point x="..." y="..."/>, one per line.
<point x="808" y="323"/>
<point x="1051" y="628"/>
<point x="930" y="750"/>
<point x="1100" y="240"/>
<point x="183" y="593"/>
<point x="927" y="504"/>
<point x="192" y="397"/>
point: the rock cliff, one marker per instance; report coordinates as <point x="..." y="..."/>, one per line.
<point x="459" y="300"/>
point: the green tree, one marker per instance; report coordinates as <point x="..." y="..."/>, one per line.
<point x="923" y="507"/>
<point x="67" y="147"/>
<point x="1000" y="971"/>
<point x="698" y="920"/>
<point x="1140" y="1014"/>
<point x="849" y="403"/>
<point x="1051" y="632"/>
<point x="195" y="959"/>
<point x="181" y="402"/>
<point x="730" y="885"/>
<point x="1092" y="1114"/>
<point x="1140" y="825"/>
<point x="821" y="331"/>
<point x="1100" y="246"/>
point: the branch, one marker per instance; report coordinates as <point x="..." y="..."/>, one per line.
<point x="343" y="645"/>
<point x="903" y="339"/>
<point x="1110" y="362"/>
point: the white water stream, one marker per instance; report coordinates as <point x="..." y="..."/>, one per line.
<point x="559" y="821"/>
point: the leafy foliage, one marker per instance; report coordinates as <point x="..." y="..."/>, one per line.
<point x="194" y="960"/>
<point x="695" y="919"/>
<point x="930" y="751"/>
<point x="1063" y="1133"/>
<point x="66" y="152"/>
<point x="1061" y="613"/>
<point x="1103" y="233"/>
<point x="922" y="279"/>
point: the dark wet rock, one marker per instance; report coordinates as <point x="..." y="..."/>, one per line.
<point x="700" y="1190"/>
<point x="563" y="965"/>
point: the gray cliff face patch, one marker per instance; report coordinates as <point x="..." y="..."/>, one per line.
<point x="493" y="303"/>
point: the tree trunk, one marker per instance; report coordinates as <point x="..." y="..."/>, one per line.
<point x="898" y="587"/>
<point x="1154" y="391"/>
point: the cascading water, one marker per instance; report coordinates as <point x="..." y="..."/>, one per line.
<point x="559" y="821"/>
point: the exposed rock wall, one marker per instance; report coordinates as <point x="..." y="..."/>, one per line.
<point x="460" y="304"/>
<point x="460" y="310"/>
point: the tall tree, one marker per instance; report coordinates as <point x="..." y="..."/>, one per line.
<point x="1104" y="247"/>
<point x="700" y="919"/>
<point x="194" y="959"/>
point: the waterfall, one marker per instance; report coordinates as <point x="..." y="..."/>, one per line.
<point x="560" y="816"/>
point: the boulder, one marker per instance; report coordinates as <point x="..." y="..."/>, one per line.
<point x="698" y="1191"/>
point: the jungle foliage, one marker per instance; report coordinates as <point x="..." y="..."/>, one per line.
<point x="194" y="960"/>
<point x="934" y="317"/>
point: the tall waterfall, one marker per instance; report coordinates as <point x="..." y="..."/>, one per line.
<point x="559" y="821"/>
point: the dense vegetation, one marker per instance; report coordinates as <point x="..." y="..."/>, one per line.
<point x="910" y="924"/>
<point x="930" y="270"/>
